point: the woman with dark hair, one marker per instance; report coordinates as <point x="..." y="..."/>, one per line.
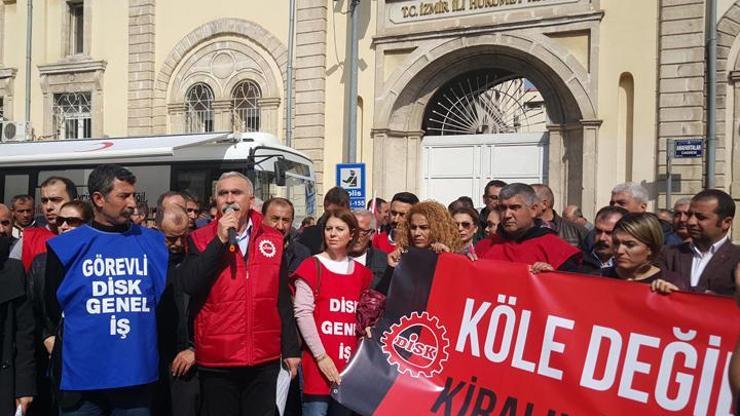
<point x="72" y="214"/>
<point x="636" y="242"/>
<point x="328" y="287"/>
<point x="17" y="374"/>
<point x="466" y="220"/>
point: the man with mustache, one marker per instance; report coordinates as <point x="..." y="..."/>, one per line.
<point x="601" y="256"/>
<point x="522" y="238"/>
<point x="103" y="284"/>
<point x="681" y="219"/>
<point x="400" y="204"/>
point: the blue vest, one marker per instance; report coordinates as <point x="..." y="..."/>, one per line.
<point x="109" y="296"/>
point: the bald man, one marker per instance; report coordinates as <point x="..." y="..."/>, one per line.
<point x="178" y="381"/>
<point x="569" y="231"/>
<point x="6" y="221"/>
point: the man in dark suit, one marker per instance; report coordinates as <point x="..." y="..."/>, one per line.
<point x="707" y="263"/>
<point x="362" y="251"/>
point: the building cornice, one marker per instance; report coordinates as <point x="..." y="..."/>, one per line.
<point x="594" y="16"/>
<point x="72" y="67"/>
<point x="8" y="72"/>
<point x="396" y="133"/>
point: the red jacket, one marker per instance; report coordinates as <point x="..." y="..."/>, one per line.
<point x="381" y="242"/>
<point x="540" y="244"/>
<point x="34" y="243"/>
<point x="239" y="324"/>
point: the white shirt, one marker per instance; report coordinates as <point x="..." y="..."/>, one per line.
<point x="361" y="259"/>
<point x="243" y="238"/>
<point x="700" y="260"/>
<point x="345" y="266"/>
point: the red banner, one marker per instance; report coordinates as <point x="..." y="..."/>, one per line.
<point x="489" y="338"/>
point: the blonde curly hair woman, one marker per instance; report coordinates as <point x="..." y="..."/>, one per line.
<point x="429" y="225"/>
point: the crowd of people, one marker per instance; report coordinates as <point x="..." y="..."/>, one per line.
<point x="106" y="309"/>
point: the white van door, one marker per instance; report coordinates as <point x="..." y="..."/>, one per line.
<point x="454" y="166"/>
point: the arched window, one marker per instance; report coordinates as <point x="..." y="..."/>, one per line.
<point x="199" y="109"/>
<point x="246" y="109"/>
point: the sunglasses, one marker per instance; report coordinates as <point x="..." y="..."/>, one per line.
<point x="71" y="221"/>
<point x="464" y="224"/>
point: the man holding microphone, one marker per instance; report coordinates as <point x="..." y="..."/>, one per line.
<point x="243" y="314"/>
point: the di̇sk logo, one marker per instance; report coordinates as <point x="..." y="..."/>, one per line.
<point x="416" y="345"/>
<point x="267" y="248"/>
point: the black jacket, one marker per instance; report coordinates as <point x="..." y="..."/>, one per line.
<point x="17" y="367"/>
<point x="313" y="236"/>
<point x="377" y="262"/>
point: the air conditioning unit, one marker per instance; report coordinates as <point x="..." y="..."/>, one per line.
<point x="15" y="131"/>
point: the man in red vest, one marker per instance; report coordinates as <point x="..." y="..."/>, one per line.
<point x="244" y="320"/>
<point x="55" y="192"/>
<point x="522" y="238"/>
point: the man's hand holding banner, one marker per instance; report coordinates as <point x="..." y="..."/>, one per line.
<point x="488" y="338"/>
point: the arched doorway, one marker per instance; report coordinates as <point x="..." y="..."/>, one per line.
<point x="483" y="125"/>
<point x="563" y="86"/>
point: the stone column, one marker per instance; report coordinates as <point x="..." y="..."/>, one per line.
<point x="269" y="107"/>
<point x="140" y="66"/>
<point x="396" y="161"/>
<point x="310" y="85"/>
<point x="734" y="170"/>
<point x="556" y="166"/>
<point x="222" y="115"/>
<point x="590" y="135"/>
<point x="176" y="113"/>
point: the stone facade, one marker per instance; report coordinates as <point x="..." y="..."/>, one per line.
<point x="681" y="93"/>
<point x="310" y="83"/>
<point x="141" y="63"/>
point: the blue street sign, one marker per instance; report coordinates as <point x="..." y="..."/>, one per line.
<point x="688" y="148"/>
<point x="351" y="177"/>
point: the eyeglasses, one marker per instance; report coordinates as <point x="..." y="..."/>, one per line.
<point x="189" y="210"/>
<point x="464" y="224"/>
<point x="365" y="233"/>
<point x="71" y="221"/>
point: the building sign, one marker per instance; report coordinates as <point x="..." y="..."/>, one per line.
<point x="688" y="148"/>
<point x="351" y="177"/>
<point x="418" y="10"/>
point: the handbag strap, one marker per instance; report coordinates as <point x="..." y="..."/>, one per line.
<point x="318" y="273"/>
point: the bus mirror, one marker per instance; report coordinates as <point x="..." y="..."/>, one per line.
<point x="281" y="165"/>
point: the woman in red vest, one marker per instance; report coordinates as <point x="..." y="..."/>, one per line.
<point x="327" y="290"/>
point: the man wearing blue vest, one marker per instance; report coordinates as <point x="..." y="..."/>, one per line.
<point x="103" y="285"/>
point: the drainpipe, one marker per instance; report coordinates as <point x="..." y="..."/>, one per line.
<point x="711" y="36"/>
<point x="289" y="83"/>
<point x="29" y="31"/>
<point x="351" y="155"/>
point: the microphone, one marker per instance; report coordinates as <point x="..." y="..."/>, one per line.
<point x="232" y="231"/>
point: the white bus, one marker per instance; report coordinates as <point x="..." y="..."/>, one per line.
<point x="190" y="163"/>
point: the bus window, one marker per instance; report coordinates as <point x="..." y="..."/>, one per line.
<point x="196" y="182"/>
<point x="15" y="185"/>
<point x="78" y="176"/>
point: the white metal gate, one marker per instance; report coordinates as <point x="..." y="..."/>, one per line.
<point x="453" y="166"/>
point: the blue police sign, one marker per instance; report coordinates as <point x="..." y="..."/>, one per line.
<point x="351" y="177"/>
<point x="688" y="148"/>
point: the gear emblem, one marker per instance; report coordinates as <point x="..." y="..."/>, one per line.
<point x="267" y="248"/>
<point x="417" y="345"/>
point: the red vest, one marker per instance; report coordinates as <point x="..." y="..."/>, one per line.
<point x="239" y="324"/>
<point x="336" y="298"/>
<point x="381" y="242"/>
<point x="34" y="243"/>
<point x="548" y="248"/>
